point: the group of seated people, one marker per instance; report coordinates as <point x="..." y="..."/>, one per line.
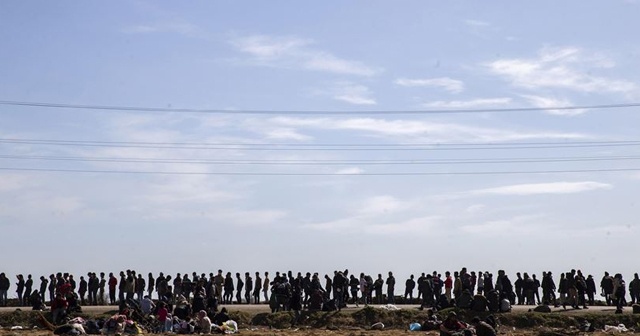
<point x="180" y="316"/>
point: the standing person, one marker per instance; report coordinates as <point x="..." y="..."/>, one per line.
<point x="82" y="290"/>
<point x="619" y="292"/>
<point x="52" y="287"/>
<point x="5" y="284"/>
<point x="607" y="287"/>
<point x="113" y="282"/>
<point x="177" y="286"/>
<point x="94" y="285"/>
<point x="563" y="290"/>
<point x="377" y="287"/>
<point x="239" y="287"/>
<point x="43" y="288"/>
<point x="391" y="285"/>
<point x="257" y="288"/>
<point x="634" y="289"/>
<point x="228" y="289"/>
<point x="20" y="289"/>
<point x="354" y="286"/>
<point x="519" y="291"/>
<point x="480" y="282"/>
<point x="265" y="286"/>
<point x="248" y="285"/>
<point x="339" y="282"/>
<point x="409" y="285"/>
<point x="591" y="289"/>
<point x="219" y="281"/>
<point x="150" y="285"/>
<point x="140" y="286"/>
<point x="101" y="285"/>
<point x="28" y="285"/>
<point x="122" y="287"/>
<point x="328" y="285"/>
<point x="448" y="285"/>
<point x="363" y="289"/>
<point x="130" y="287"/>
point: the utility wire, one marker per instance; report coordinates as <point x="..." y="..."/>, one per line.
<point x="434" y="147"/>
<point x="320" y="162"/>
<point x="306" y="112"/>
<point x="55" y="141"/>
<point x="320" y="174"/>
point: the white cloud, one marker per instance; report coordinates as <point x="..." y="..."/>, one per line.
<point x="293" y="52"/>
<point x="182" y="28"/>
<point x="446" y="83"/>
<point x="476" y="23"/>
<point x="543" y="188"/>
<point x="12" y="182"/>
<point x="522" y="224"/>
<point x="286" y="134"/>
<point x="481" y="102"/>
<point x="382" y="205"/>
<point x="423" y="131"/>
<point x="354" y="94"/>
<point x="561" y="68"/>
<point x="350" y="171"/>
<point x="547" y="102"/>
<point x="475" y="208"/>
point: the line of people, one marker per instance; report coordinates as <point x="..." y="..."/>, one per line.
<point x="574" y="288"/>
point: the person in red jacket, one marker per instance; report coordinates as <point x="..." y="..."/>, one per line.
<point x="58" y="308"/>
<point x="113" y="282"/>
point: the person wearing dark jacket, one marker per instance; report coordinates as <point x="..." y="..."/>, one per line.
<point x="409" y="286"/>
<point x="20" y="289"/>
<point x="591" y="289"/>
<point x="4" y="289"/>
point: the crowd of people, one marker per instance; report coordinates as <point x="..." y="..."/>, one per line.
<point x="286" y="291"/>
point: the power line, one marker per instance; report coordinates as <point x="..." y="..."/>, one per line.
<point x="306" y="112"/>
<point x="54" y="141"/>
<point x="320" y="174"/>
<point x="267" y="147"/>
<point x="320" y="162"/>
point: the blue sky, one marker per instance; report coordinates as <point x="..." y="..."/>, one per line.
<point x="353" y="56"/>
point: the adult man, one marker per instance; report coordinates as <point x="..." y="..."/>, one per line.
<point x="112" y="288"/>
<point x="339" y="283"/>
<point x="377" y="287"/>
<point x="518" y="284"/>
<point x="634" y="289"/>
<point x="147" y="305"/>
<point x="140" y="287"/>
<point x="28" y="285"/>
<point x="426" y="288"/>
<point x="607" y="287"/>
<point x="257" y="288"/>
<point x="482" y="328"/>
<point x="150" y="284"/>
<point x="421" y="278"/>
<point x="240" y="285"/>
<point x="101" y="285"/>
<point x="5" y="284"/>
<point x="265" y="286"/>
<point x="409" y="285"/>
<point x="391" y="285"/>
<point x="218" y="281"/>
<point x="248" y="285"/>
<point x="43" y="287"/>
<point x="448" y="285"/>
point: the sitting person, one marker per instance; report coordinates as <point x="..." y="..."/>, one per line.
<point x="465" y="300"/>
<point x="203" y="323"/>
<point x="147" y="305"/>
<point x="432" y="322"/>
<point x="36" y="301"/>
<point x="59" y="308"/>
<point x="221" y="317"/>
<point x="483" y="328"/>
<point x="452" y="326"/>
<point x="480" y="303"/>
<point x="115" y="325"/>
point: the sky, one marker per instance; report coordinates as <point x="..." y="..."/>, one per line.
<point x="371" y="189"/>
